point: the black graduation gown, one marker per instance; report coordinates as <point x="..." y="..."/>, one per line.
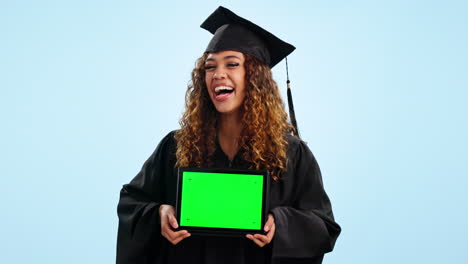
<point x="305" y="227"/>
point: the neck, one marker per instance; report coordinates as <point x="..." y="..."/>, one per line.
<point x="230" y="126"/>
<point x="229" y="132"/>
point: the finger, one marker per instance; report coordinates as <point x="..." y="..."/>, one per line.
<point x="270" y="221"/>
<point x="178" y="234"/>
<point x="262" y="238"/>
<point x="174" y="235"/>
<point x="256" y="241"/>
<point x="271" y="233"/>
<point x="172" y="220"/>
<point x="176" y="241"/>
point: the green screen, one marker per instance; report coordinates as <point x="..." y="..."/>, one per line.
<point x="221" y="200"/>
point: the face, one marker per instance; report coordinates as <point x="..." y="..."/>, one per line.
<point x="225" y="80"/>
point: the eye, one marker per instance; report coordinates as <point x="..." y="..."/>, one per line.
<point x="209" y="67"/>
<point x="232" y="65"/>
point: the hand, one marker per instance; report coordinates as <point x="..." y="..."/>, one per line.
<point x="262" y="240"/>
<point x="168" y="221"/>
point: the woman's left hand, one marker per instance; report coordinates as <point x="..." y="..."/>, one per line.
<point x="262" y="240"/>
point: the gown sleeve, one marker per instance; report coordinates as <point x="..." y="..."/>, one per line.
<point x="305" y="228"/>
<point x="138" y="238"/>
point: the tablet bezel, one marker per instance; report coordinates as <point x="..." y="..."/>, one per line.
<point x="223" y="231"/>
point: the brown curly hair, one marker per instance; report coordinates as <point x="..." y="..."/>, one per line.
<point x="264" y="121"/>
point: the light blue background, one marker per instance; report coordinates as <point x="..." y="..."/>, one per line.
<point x="88" y="88"/>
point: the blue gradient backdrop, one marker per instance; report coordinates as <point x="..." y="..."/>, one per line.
<point x="88" y="88"/>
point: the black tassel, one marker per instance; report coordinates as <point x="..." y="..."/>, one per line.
<point x="292" y="114"/>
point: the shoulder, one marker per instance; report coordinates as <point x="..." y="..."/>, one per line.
<point x="295" y="144"/>
<point x="298" y="149"/>
<point x="170" y="137"/>
<point x="167" y="145"/>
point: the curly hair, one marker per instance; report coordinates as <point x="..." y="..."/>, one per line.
<point x="264" y="122"/>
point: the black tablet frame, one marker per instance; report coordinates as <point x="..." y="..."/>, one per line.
<point x="224" y="231"/>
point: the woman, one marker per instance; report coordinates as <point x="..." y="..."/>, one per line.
<point x="234" y="118"/>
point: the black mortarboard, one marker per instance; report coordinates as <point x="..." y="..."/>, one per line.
<point x="232" y="32"/>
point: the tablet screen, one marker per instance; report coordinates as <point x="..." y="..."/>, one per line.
<point x="215" y="200"/>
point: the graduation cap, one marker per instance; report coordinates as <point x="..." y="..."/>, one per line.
<point x="232" y="32"/>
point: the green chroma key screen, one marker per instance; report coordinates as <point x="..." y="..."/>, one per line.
<point x="221" y="200"/>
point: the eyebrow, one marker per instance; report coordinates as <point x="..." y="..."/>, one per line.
<point x="225" y="58"/>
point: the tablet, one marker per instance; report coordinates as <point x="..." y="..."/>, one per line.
<point x="223" y="202"/>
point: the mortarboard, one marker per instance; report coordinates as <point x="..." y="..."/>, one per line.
<point x="232" y="32"/>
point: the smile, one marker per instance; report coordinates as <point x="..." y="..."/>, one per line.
<point x="222" y="93"/>
<point x="223" y="90"/>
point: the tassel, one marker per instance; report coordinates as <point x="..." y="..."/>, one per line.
<point x="292" y="114"/>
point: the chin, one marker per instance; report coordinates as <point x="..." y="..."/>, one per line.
<point x="227" y="109"/>
<point x="223" y="110"/>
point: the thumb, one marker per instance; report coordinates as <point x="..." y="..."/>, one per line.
<point x="269" y="223"/>
<point x="173" y="221"/>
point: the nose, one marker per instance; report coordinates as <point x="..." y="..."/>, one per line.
<point x="219" y="74"/>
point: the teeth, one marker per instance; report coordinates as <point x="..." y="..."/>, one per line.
<point x="221" y="88"/>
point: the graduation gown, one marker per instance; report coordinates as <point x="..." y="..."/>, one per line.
<point x="305" y="227"/>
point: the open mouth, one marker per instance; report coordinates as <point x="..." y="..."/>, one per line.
<point x="222" y="90"/>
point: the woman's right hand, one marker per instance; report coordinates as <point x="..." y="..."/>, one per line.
<point x="168" y="222"/>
